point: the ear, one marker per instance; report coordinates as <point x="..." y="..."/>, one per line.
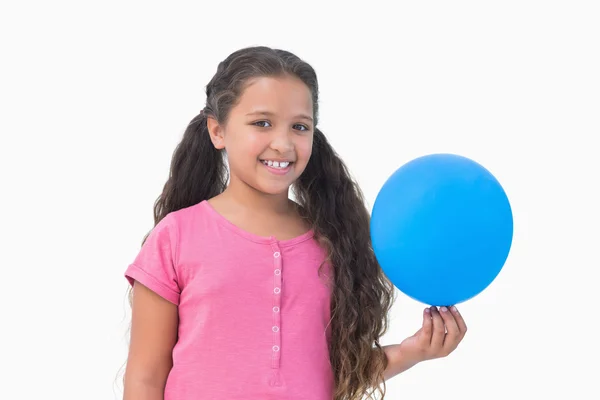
<point x="215" y="130"/>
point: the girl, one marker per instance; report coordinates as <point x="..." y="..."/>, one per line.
<point x="240" y="292"/>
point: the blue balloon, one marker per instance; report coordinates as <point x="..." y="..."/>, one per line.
<point x="441" y="229"/>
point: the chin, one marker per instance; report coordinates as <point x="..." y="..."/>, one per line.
<point x="271" y="189"/>
<point x="274" y="191"/>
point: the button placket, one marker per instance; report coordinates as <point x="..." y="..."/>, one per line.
<point x="276" y="311"/>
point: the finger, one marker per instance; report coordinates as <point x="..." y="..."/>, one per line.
<point x="423" y="335"/>
<point x="460" y="322"/>
<point x="427" y="329"/>
<point x="452" y="337"/>
<point x="439" y="331"/>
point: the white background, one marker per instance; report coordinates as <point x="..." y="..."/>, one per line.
<point x="94" y="96"/>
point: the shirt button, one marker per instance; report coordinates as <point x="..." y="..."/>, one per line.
<point x="275" y="348"/>
<point x="276" y="309"/>
<point x="276" y="254"/>
<point x="277" y="272"/>
<point x="277" y="290"/>
<point x="275" y="329"/>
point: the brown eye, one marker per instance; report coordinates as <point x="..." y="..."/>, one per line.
<point x="258" y="123"/>
<point x="301" y="127"/>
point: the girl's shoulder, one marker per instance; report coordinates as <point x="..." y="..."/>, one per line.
<point x="194" y="219"/>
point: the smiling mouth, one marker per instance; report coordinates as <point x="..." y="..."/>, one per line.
<point x="277" y="164"/>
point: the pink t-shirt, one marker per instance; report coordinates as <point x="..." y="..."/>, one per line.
<point x="253" y="311"/>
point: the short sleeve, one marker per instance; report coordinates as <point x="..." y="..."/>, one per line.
<point x="155" y="265"/>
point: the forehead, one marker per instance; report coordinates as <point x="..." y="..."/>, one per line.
<point x="280" y="95"/>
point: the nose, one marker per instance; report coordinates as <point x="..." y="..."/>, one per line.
<point x="281" y="141"/>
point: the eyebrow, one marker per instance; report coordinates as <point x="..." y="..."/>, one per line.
<point x="268" y="113"/>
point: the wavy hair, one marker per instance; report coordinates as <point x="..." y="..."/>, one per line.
<point x="329" y="199"/>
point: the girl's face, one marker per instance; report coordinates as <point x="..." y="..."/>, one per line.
<point x="269" y="134"/>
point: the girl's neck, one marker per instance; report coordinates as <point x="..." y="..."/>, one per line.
<point x="245" y="197"/>
<point x="259" y="213"/>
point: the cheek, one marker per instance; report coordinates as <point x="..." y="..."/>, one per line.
<point x="304" y="148"/>
<point x="244" y="148"/>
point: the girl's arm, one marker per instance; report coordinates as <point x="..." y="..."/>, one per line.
<point x="153" y="335"/>
<point x="397" y="362"/>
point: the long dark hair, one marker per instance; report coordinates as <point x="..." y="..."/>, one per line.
<point x="328" y="198"/>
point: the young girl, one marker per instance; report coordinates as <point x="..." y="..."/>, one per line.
<point x="240" y="292"/>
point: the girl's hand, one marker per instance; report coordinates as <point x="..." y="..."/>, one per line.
<point x="439" y="336"/>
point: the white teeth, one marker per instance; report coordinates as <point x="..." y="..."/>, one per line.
<point x="276" y="164"/>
